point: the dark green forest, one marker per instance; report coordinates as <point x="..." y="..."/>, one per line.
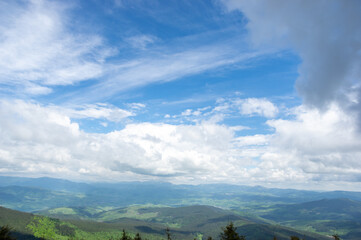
<point x="44" y="228"/>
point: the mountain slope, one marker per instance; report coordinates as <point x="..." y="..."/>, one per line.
<point x="17" y="221"/>
<point x="331" y="209"/>
<point x="327" y="216"/>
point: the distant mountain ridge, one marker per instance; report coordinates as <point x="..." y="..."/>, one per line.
<point x="53" y="184"/>
<point x="216" y="191"/>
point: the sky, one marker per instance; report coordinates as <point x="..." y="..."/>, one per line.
<point x="189" y="92"/>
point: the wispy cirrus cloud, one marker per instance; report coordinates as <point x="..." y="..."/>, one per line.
<point x="167" y="67"/>
<point x="98" y="111"/>
<point x="141" y="41"/>
<point x="38" y="50"/>
<point x="41" y="48"/>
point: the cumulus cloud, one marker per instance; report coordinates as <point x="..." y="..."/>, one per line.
<point x="325" y="145"/>
<point x="319" y="140"/>
<point x="326" y="35"/>
<point x="190" y="112"/>
<point x="314" y="131"/>
<point x="262" y="107"/>
<point x="39" y="140"/>
<point x="247" y="106"/>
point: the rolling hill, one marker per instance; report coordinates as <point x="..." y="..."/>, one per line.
<point x="325" y="216"/>
<point x="332" y="209"/>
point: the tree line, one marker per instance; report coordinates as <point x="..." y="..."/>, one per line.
<point x="44" y="228"/>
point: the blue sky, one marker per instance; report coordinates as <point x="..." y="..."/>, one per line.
<point x="182" y="91"/>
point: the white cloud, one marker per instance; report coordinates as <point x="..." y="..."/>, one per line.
<point x="246" y="106"/>
<point x="324" y="145"/>
<point x="37" y="48"/>
<point x="239" y="128"/>
<point x="36" y="89"/>
<point x="322" y="142"/>
<point x="317" y="131"/>
<point x="42" y="46"/>
<point x="187" y="112"/>
<point x="327" y="36"/>
<point x="166" y="66"/>
<point x="230" y="108"/>
<point x="257" y="139"/>
<point x="40" y="140"/>
<point x="137" y="106"/>
<point x="259" y="106"/>
<point x="141" y="41"/>
<point x="97" y="111"/>
<point x="104" y="124"/>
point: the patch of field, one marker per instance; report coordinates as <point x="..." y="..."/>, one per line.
<point x="63" y="210"/>
<point x="130" y="212"/>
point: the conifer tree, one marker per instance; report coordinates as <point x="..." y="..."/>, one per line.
<point x="167" y="231"/>
<point x="5" y="232"/>
<point x="336" y="237"/>
<point x="295" y="238"/>
<point x="229" y="233"/>
<point x="137" y="237"/>
<point x="125" y="236"/>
